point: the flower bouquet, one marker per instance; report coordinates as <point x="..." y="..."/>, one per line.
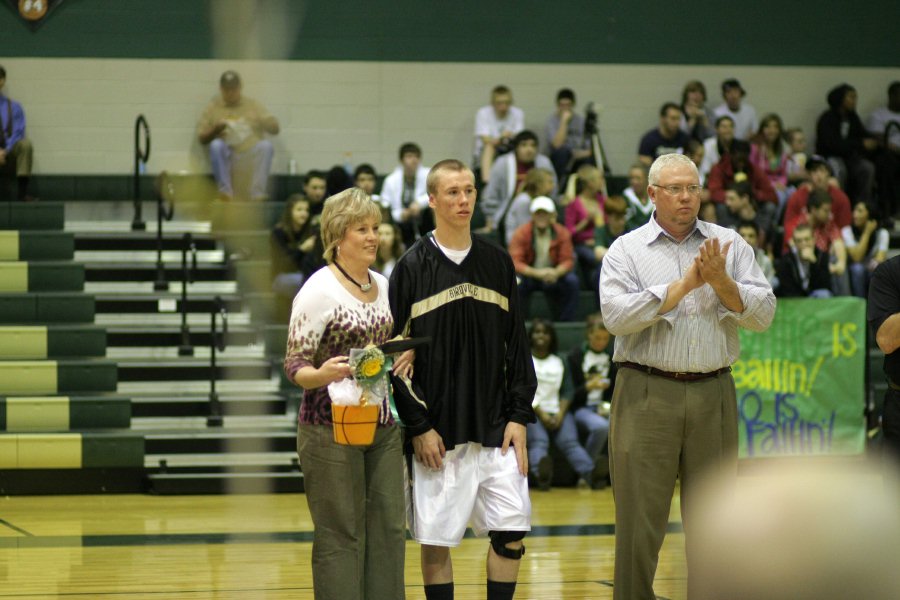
<point x="356" y="402"/>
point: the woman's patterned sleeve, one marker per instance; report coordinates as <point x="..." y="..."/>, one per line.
<point x="310" y="314"/>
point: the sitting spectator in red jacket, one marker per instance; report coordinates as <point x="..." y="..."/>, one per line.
<point x="736" y="166"/>
<point x="542" y="253"/>
<point x="820" y="179"/>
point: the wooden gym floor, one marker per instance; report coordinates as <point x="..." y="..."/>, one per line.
<point x="258" y="546"/>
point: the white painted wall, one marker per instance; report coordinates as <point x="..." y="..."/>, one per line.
<point x="81" y="111"/>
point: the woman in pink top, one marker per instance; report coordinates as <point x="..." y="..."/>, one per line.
<point x="583" y="214"/>
<point x="771" y="154"/>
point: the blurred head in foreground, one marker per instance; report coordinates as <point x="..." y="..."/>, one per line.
<point x="800" y="533"/>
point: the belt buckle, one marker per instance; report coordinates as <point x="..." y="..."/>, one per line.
<point x="680" y="375"/>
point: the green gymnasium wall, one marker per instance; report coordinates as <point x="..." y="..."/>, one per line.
<point x="761" y="32"/>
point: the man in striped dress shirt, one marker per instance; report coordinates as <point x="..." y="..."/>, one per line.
<point x="674" y="293"/>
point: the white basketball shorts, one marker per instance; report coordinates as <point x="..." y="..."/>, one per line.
<point x="477" y="485"/>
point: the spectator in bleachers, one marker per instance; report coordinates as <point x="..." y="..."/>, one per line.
<point x="696" y="117"/>
<point x="819" y="180"/>
<point x="843" y="140"/>
<point x="292" y="238"/>
<point x="803" y="271"/>
<point x="542" y="254"/>
<point x="314" y="186"/>
<point x="666" y="138"/>
<point x="743" y="115"/>
<point x="16" y="150"/>
<point x="390" y="248"/>
<point x="583" y="214"/>
<point x="738" y="206"/>
<point x="640" y="207"/>
<point x="736" y="166"/>
<point x="796" y="167"/>
<point x="365" y="178"/>
<point x="616" y="209"/>
<point x="867" y="246"/>
<point x="565" y="141"/>
<point x="888" y="170"/>
<point x="508" y="176"/>
<point x="827" y="237"/>
<point x="234" y="127"/>
<point x="770" y="154"/>
<point x="404" y="191"/>
<point x="552" y="401"/>
<point x="750" y="231"/>
<point x="593" y="377"/>
<point x="716" y="147"/>
<point x="495" y="127"/>
<point x="337" y="180"/>
<point x="537" y="182"/>
<point x="708" y="212"/>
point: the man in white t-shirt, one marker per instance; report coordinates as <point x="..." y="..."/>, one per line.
<point x="403" y="191"/>
<point x="743" y="115"/>
<point x="495" y="126"/>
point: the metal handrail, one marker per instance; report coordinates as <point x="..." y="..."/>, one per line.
<point x="141" y="156"/>
<point x="164" y="212"/>
<point x="187" y="276"/>
<point x="217" y="342"/>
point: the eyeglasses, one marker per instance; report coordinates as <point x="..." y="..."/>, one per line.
<point x="677" y="190"/>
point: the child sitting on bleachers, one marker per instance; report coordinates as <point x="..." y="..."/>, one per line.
<point x="291" y="240"/>
<point x="551" y="404"/>
<point x="593" y="377"/>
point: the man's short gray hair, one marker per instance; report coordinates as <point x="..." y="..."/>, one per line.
<point x="669" y="160"/>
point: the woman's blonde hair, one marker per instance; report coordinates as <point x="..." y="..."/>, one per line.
<point x="342" y="211"/>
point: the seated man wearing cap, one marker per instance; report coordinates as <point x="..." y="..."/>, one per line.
<point x="234" y="127"/>
<point x="743" y="114"/>
<point x="820" y="179"/>
<point x="543" y="256"/>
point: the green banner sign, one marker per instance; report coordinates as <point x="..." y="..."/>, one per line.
<point x="801" y="384"/>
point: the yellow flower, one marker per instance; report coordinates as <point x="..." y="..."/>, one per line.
<point x="371" y="367"/>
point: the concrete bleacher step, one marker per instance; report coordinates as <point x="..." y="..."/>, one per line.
<point x="46" y="307"/>
<point x="139" y="240"/>
<point x="39" y="377"/>
<point x="95" y="226"/>
<point x="153" y="408"/>
<point x="71" y="462"/>
<point x="171" y="352"/>
<point x="124" y="271"/>
<point x="102" y="288"/>
<point x="188" y="368"/>
<point x="222" y="440"/>
<point x="32" y="215"/>
<point x="36" y="245"/>
<point x="138" y="336"/>
<point x="167" y="319"/>
<point x="150" y="388"/>
<point x="53" y="341"/>
<point x="169" y="257"/>
<point x="164" y="303"/>
<point x="19" y="276"/>
<point x="64" y="413"/>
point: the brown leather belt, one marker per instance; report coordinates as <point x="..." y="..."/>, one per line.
<point x="673" y="376"/>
